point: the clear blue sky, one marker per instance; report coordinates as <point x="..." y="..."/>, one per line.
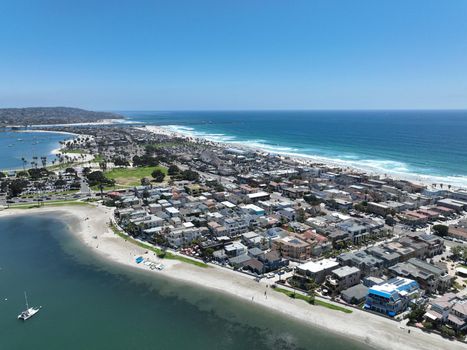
<point x="223" y="54"/>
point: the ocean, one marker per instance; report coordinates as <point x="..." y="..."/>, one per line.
<point x="89" y="303"/>
<point x="418" y="145"/>
<point x="16" y="145"/>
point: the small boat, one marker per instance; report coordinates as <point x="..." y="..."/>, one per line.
<point x="29" y="312"/>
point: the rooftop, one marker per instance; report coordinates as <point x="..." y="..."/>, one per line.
<point x="316" y="266"/>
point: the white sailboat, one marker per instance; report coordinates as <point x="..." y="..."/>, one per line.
<point x="29" y="312"/>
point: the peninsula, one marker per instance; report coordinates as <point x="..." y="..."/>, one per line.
<point x="374" y="258"/>
<point x="51" y="115"/>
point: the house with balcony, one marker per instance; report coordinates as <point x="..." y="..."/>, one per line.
<point x="392" y="297"/>
<point x="342" y="278"/>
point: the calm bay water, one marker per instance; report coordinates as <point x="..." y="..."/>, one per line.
<point x="417" y="143"/>
<point x="91" y="304"/>
<point x="16" y="145"/>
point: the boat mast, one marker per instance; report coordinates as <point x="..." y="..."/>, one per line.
<point x="26" y="298"/>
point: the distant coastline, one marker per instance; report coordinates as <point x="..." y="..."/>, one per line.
<point x="456" y="182"/>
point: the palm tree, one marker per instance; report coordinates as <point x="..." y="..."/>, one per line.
<point x="24" y="162"/>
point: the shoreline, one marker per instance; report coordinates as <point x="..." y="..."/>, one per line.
<point x="89" y="224"/>
<point x="52" y="152"/>
<point x="100" y="122"/>
<point x="58" y="150"/>
<point x="428" y="180"/>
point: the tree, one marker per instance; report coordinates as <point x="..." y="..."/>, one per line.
<point x="447" y="332"/>
<point x="145" y="160"/>
<point x="70" y="171"/>
<point x="22" y="174"/>
<point x="217" y="186"/>
<point x="36" y="173"/>
<point x="98" y="178"/>
<point x="173" y="170"/>
<point x="417" y="312"/>
<point x="121" y="162"/>
<point x="158" y="175"/>
<point x="190" y="175"/>
<point x="24" y="162"/>
<point x="301" y="215"/>
<point x="60" y="183"/>
<point x="103" y="165"/>
<point x="440" y="230"/>
<point x="17" y="186"/>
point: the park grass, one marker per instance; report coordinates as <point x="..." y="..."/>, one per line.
<point x="74" y="151"/>
<point x="96" y="188"/>
<point x="332" y="306"/>
<point x="159" y="252"/>
<point x="132" y="176"/>
<point x="57" y="203"/>
<point x="98" y="158"/>
<point x="311" y="300"/>
<point x="291" y="294"/>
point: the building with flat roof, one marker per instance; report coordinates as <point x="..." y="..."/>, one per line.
<point x="317" y="270"/>
<point x="369" y="265"/>
<point x="355" y="295"/>
<point x="393" y="296"/>
<point x="450" y="309"/>
<point x="292" y="248"/>
<point x="342" y="278"/>
<point x="431" y="278"/>
<point x="258" y="196"/>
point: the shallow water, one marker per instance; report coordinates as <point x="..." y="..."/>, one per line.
<point x="89" y="303"/>
<point x="17" y="145"/>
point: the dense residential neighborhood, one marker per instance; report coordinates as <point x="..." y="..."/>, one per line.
<point x="385" y="245"/>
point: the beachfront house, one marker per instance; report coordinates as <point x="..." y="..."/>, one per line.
<point x="392" y="297"/>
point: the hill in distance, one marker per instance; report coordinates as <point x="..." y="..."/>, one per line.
<point x="52" y="115"/>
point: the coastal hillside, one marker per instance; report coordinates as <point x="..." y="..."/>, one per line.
<point x="51" y="115"/>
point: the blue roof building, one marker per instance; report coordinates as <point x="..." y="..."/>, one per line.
<point x="393" y="296"/>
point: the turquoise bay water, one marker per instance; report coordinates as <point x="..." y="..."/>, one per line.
<point x="418" y="143"/>
<point x="16" y="145"/>
<point x="90" y="304"/>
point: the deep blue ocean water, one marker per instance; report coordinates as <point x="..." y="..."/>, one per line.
<point x="16" y="145"/>
<point x="425" y="144"/>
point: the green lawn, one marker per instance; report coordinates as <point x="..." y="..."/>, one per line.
<point x="311" y="300"/>
<point x="159" y="252"/>
<point x="291" y="294"/>
<point x="332" y="306"/>
<point x="131" y="176"/>
<point x="98" y="159"/>
<point x="46" y="204"/>
<point x="74" y="151"/>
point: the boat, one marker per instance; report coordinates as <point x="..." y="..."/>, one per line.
<point x="29" y="312"/>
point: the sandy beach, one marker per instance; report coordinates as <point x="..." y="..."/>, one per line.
<point x="455" y="182"/>
<point x="90" y="225"/>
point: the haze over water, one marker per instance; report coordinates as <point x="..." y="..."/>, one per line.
<point x="89" y="303"/>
